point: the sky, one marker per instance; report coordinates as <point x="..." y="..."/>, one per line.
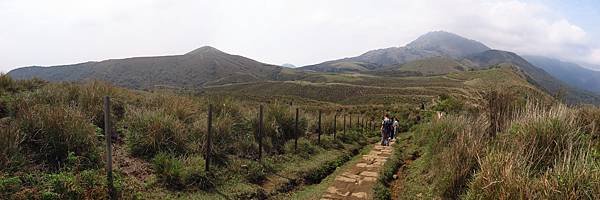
<point x="300" y="32"/>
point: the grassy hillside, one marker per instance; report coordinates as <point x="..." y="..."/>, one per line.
<point x="431" y="66"/>
<point x="356" y="89"/>
<point x="570" y="73"/>
<point x="535" y="76"/>
<point x="539" y="151"/>
<point x="203" y="66"/>
<point x="55" y="137"/>
<point x="53" y="146"/>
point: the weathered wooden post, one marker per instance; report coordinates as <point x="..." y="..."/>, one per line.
<point x="260" y="131"/>
<point x="296" y="134"/>
<point x="373" y="125"/>
<point x="319" y="129"/>
<point x="344" y="124"/>
<point x="350" y="121"/>
<point x="334" y="124"/>
<point x="207" y="157"/>
<point x="108" y="136"/>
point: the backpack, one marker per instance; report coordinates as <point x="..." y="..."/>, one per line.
<point x="388" y="126"/>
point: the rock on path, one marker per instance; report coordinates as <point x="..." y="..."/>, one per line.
<point x="358" y="181"/>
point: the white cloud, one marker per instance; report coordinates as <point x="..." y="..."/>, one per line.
<point x="38" y="32"/>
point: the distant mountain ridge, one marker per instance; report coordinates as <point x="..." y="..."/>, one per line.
<point x="435" y="53"/>
<point x="570" y="73"/>
<point x="432" y="44"/>
<point x="440" y="52"/>
<point x="202" y="66"/>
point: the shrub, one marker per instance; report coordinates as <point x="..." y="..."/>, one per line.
<point x="9" y="186"/>
<point x="7" y="84"/>
<point x="542" y="156"/>
<point x="381" y="192"/>
<point x="305" y="148"/>
<point x="65" y="185"/>
<point x="51" y="132"/>
<point x="448" y="104"/>
<point x="327" y="142"/>
<point x="178" y="175"/>
<point x="452" y="146"/>
<point x="152" y="131"/>
<point x="315" y="175"/>
<point x="256" y="173"/>
<point x="280" y="126"/>
<point x="168" y="171"/>
<point x="12" y="137"/>
<point x="543" y="137"/>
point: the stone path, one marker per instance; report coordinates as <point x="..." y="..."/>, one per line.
<point x="358" y="181"/>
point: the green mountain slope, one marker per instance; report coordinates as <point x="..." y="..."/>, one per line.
<point x="535" y="75"/>
<point x="570" y="73"/>
<point x="203" y="66"/>
<point x="356" y="88"/>
<point x="432" y="44"/>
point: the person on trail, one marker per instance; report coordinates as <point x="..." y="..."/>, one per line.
<point x="396" y="127"/>
<point x="386" y="130"/>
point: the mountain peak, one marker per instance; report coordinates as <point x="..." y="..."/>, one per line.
<point x="204" y="50"/>
<point x="447" y="43"/>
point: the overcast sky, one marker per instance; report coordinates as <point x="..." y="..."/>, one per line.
<point x="302" y="32"/>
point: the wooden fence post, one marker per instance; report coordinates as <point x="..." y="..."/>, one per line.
<point x="334" y="125"/>
<point x="319" y="129"/>
<point x="108" y="136"/>
<point x="297" y="135"/>
<point x="350" y="120"/>
<point x="260" y="131"/>
<point x="344" y="124"/>
<point x="207" y="157"/>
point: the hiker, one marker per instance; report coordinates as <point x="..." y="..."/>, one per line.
<point x="386" y="130"/>
<point x="396" y="129"/>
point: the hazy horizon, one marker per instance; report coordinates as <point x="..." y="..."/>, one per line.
<point x="297" y="32"/>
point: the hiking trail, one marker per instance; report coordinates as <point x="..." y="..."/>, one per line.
<point x="357" y="182"/>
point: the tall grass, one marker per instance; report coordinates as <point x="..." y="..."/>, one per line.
<point x="10" y="144"/>
<point x="152" y="131"/>
<point x="451" y="148"/>
<point x="535" y="151"/>
<point x="546" y="154"/>
<point x="51" y="133"/>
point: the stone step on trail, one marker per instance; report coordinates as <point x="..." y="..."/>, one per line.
<point x="357" y="182"/>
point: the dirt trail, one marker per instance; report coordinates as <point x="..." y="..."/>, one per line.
<point x="358" y="181"/>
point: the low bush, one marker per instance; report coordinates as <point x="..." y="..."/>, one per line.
<point x="51" y="132"/>
<point x="10" y="155"/>
<point x="305" y="148"/>
<point x="452" y="146"/>
<point x="544" y="155"/>
<point x="381" y="192"/>
<point x="152" y="131"/>
<point x="176" y="174"/>
<point x="256" y="173"/>
<point x="315" y="175"/>
<point x="327" y="142"/>
<point x="9" y="186"/>
<point x="279" y="127"/>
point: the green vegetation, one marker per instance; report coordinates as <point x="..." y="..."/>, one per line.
<point x="520" y="142"/>
<point x="543" y="151"/>
<point x="54" y="144"/>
